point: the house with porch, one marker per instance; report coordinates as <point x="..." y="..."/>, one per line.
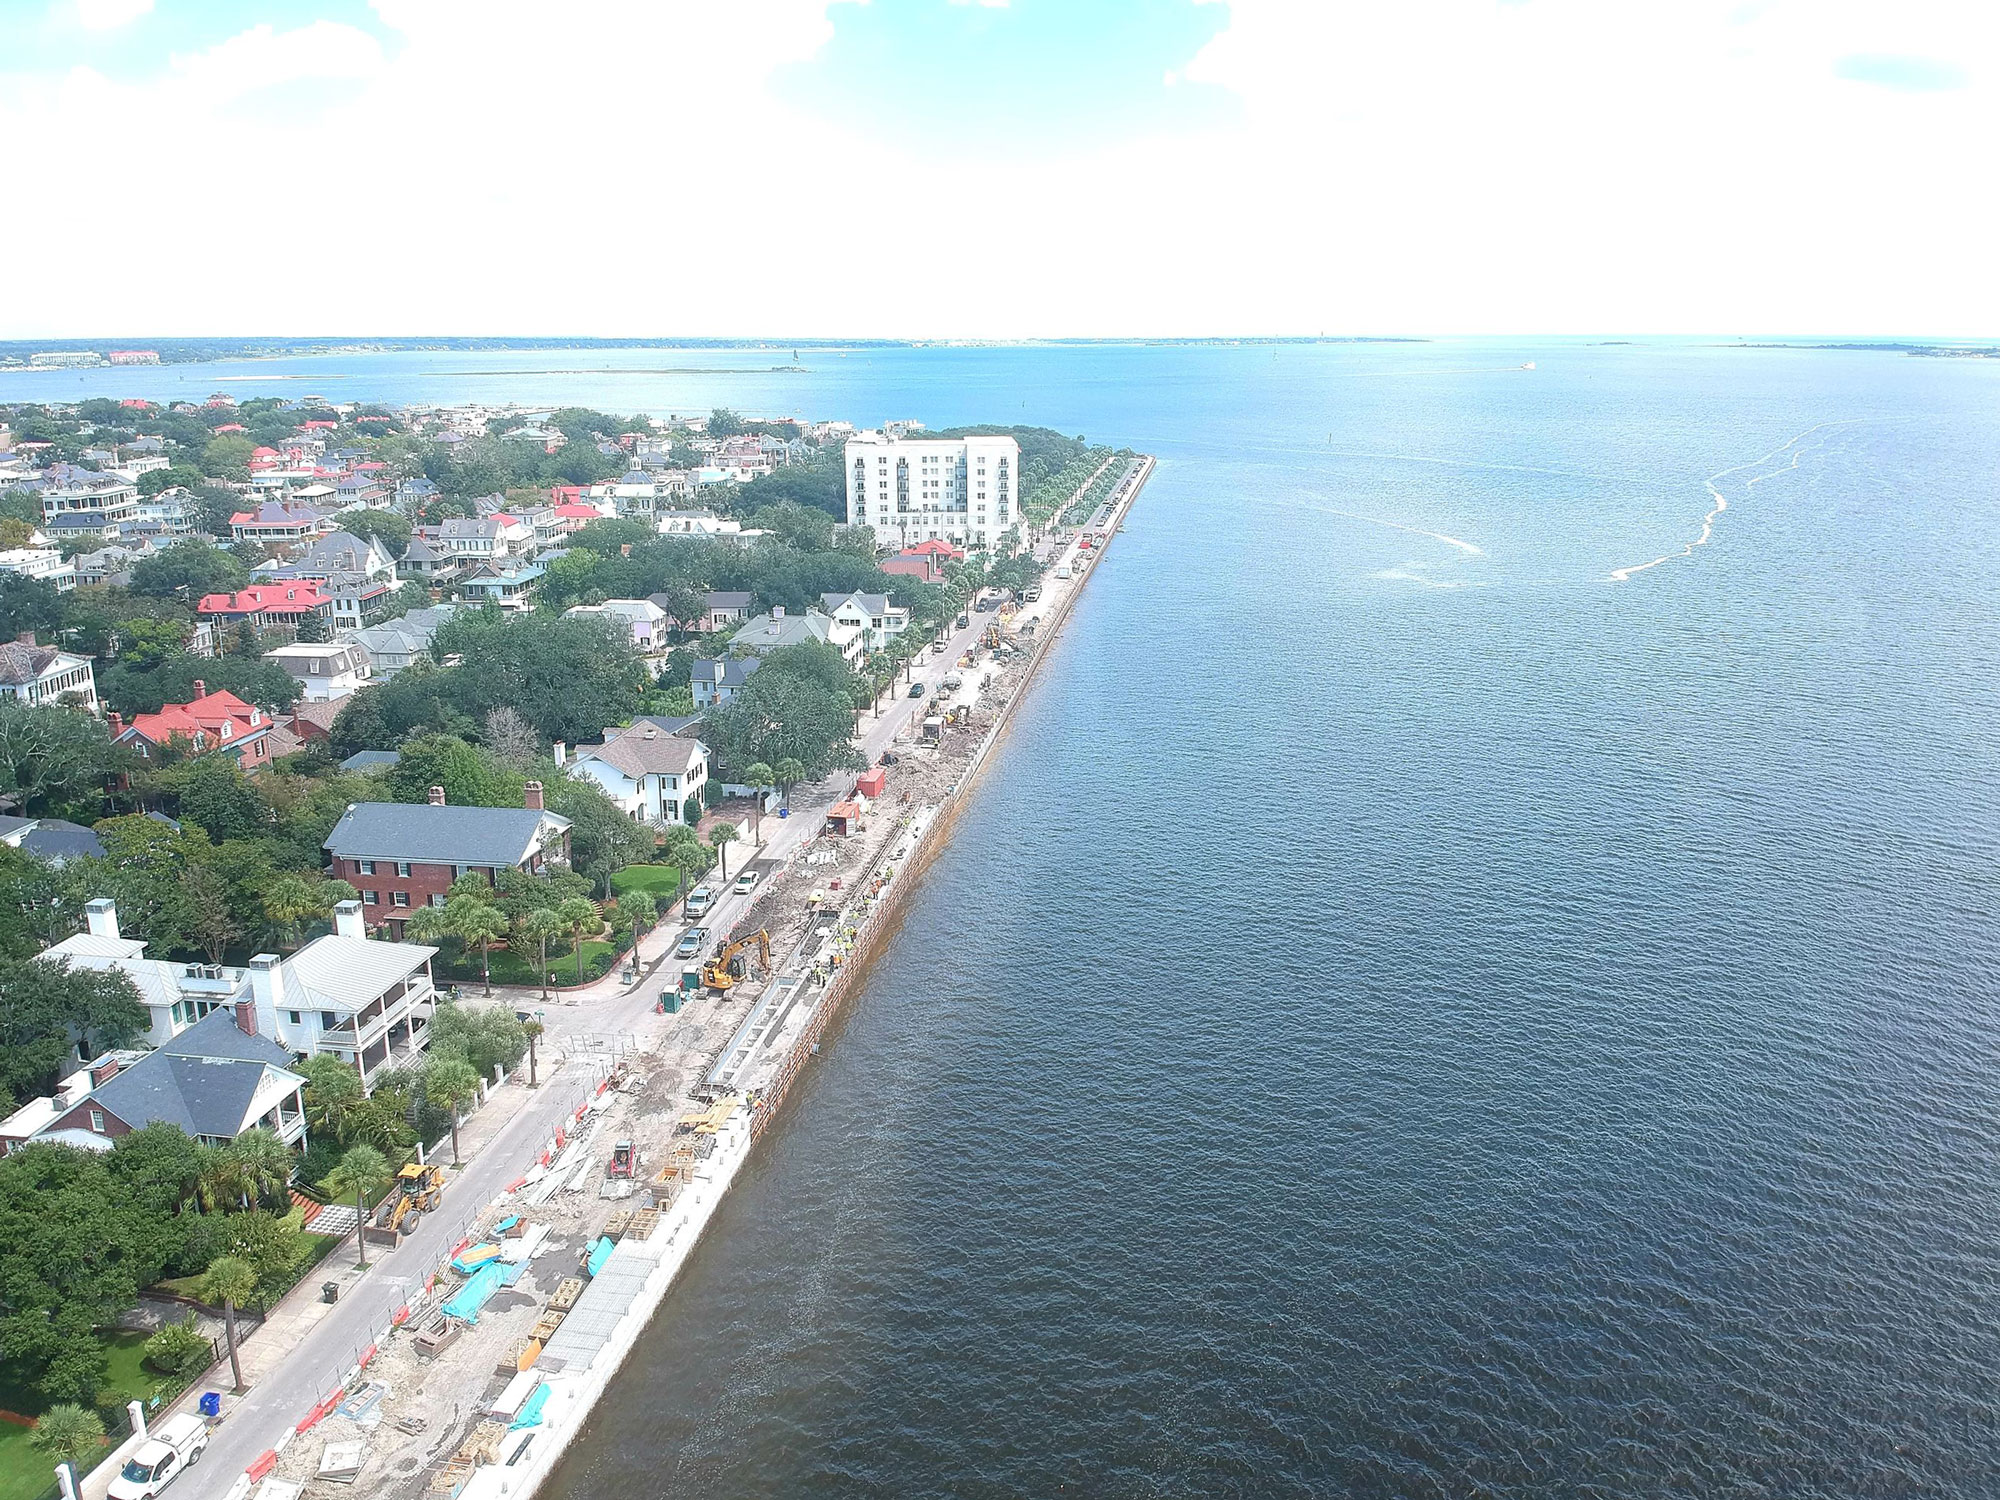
<point x="207" y="724"/>
<point x="35" y="673"/>
<point x="872" y="615"/>
<point x="215" y="1080"/>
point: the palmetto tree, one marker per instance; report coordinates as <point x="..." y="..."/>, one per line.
<point x="290" y="902"/>
<point x="263" y="1163"/>
<point x="333" y="1091"/>
<point x="532" y="1029"/>
<point x="473" y="921"/>
<point x="538" y="927"/>
<point x="578" y="917"/>
<point x="364" y="1172"/>
<point x="70" y="1432"/>
<point x="789" y="773"/>
<point x="426" y="925"/>
<point x="451" y="1082"/>
<point x="721" y="836"/>
<point x="759" y="775"/>
<point x="229" y="1280"/>
<point x="221" y="1185"/>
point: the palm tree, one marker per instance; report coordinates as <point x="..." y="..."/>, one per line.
<point x="578" y="917"/>
<point x="333" y="1090"/>
<point x="230" y="1280"/>
<point x="426" y="925"/>
<point x="364" y="1172"/>
<point x="532" y="1029"/>
<point x="71" y="1432"/>
<point x="721" y="836"/>
<point x="538" y="927"/>
<point x="451" y="1082"/>
<point x="759" y="775"/>
<point x="263" y="1163"/>
<point x="290" y="902"/>
<point x="789" y="774"/>
<point x="473" y="921"/>
<point x="221" y="1183"/>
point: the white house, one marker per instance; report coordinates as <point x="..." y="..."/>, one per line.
<point x="43" y="563"/>
<point x="326" y="670"/>
<point x="42" y="674"/>
<point x="762" y="633"/>
<point x="872" y="615"/>
<point x="914" y="489"/>
<point x="363" y="1000"/>
<point x="653" y="777"/>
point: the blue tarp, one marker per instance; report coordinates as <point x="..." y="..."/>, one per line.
<point x="484" y="1282"/>
<point x="530" y="1414"/>
<point x="486" y="1253"/>
<point x="506" y="1224"/>
<point x="599" y="1254"/>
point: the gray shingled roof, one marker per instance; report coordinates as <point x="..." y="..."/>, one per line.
<point x="203" y="1080"/>
<point x="58" y="839"/>
<point x="216" y="1036"/>
<point x="369" y="760"/>
<point x="491" y="836"/>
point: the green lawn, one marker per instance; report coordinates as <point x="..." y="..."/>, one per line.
<point x="655" y="880"/>
<point x="518" y="969"/>
<point x="24" y="1473"/>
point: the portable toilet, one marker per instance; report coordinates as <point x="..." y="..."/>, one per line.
<point x="691" y="978"/>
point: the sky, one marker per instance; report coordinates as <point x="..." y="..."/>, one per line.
<point x="1000" y="168"/>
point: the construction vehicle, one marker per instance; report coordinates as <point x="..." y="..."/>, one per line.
<point x="621" y="1160"/>
<point x="417" y="1191"/>
<point x="721" y="972"/>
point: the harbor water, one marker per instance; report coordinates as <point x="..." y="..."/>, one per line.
<point x="1472" y="975"/>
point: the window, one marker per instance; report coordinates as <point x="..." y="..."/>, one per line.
<point x="402" y="898"/>
<point x="364" y="867"/>
<point x="97" y="1121"/>
<point x="437" y="900"/>
<point x="328" y="1020"/>
<point x="294" y="1017"/>
<point x="403" y="868"/>
<point x="371" y="898"/>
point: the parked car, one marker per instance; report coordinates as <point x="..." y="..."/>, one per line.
<point x="171" y="1447"/>
<point x="963" y="621"/>
<point x="916" y="690"/>
<point x="699" y="900"/>
<point x="746" y="882"/>
<point x="690" y="943"/>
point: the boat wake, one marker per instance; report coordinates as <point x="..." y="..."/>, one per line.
<point x="1790" y="451"/>
<point x="1437" y="536"/>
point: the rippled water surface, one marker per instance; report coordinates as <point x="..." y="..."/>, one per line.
<point x="1408" y="1015"/>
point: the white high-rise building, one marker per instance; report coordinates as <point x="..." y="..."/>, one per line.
<point x="919" y="489"/>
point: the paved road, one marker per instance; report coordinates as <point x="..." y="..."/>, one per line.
<point x="604" y="1014"/>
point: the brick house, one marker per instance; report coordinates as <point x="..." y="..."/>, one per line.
<point x="207" y="724"/>
<point x="401" y="856"/>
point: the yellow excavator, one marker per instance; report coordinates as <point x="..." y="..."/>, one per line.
<point x="721" y="972"/>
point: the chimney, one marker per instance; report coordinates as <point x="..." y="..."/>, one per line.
<point x="437" y="796"/>
<point x="103" y="1071"/>
<point x="561" y="752"/>
<point x="101" y="917"/>
<point x="263" y="999"/>
<point x="531" y="796"/>
<point x="777" y="611"/>
<point x="25" y="638"/>
<point x="347" y="920"/>
<point x="200" y="690"/>
<point x="117" y="724"/>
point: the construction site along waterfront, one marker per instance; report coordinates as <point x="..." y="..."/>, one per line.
<point x="493" y="1350"/>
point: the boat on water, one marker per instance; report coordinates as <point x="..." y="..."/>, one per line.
<point x="1529" y="365"/>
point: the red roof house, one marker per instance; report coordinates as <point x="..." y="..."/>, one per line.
<point x="207" y="724"/>
<point x="268" y="603"/>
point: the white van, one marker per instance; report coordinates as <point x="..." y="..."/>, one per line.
<point x="1063" y="571"/>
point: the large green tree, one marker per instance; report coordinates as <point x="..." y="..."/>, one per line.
<point x="187" y="570"/>
<point x="54" y="757"/>
<point x="50" y="1009"/>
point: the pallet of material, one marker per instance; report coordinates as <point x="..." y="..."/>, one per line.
<point x="483" y="1447"/>
<point x="644" y="1222"/>
<point x="617" y="1224"/>
<point x="448" y="1479"/>
<point x="567" y="1292"/>
<point x="546" y="1326"/>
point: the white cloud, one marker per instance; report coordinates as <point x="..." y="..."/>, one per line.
<point x="109" y="15"/>
<point x="1433" y="166"/>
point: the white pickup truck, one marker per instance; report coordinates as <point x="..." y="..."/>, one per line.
<point x="172" y="1446"/>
